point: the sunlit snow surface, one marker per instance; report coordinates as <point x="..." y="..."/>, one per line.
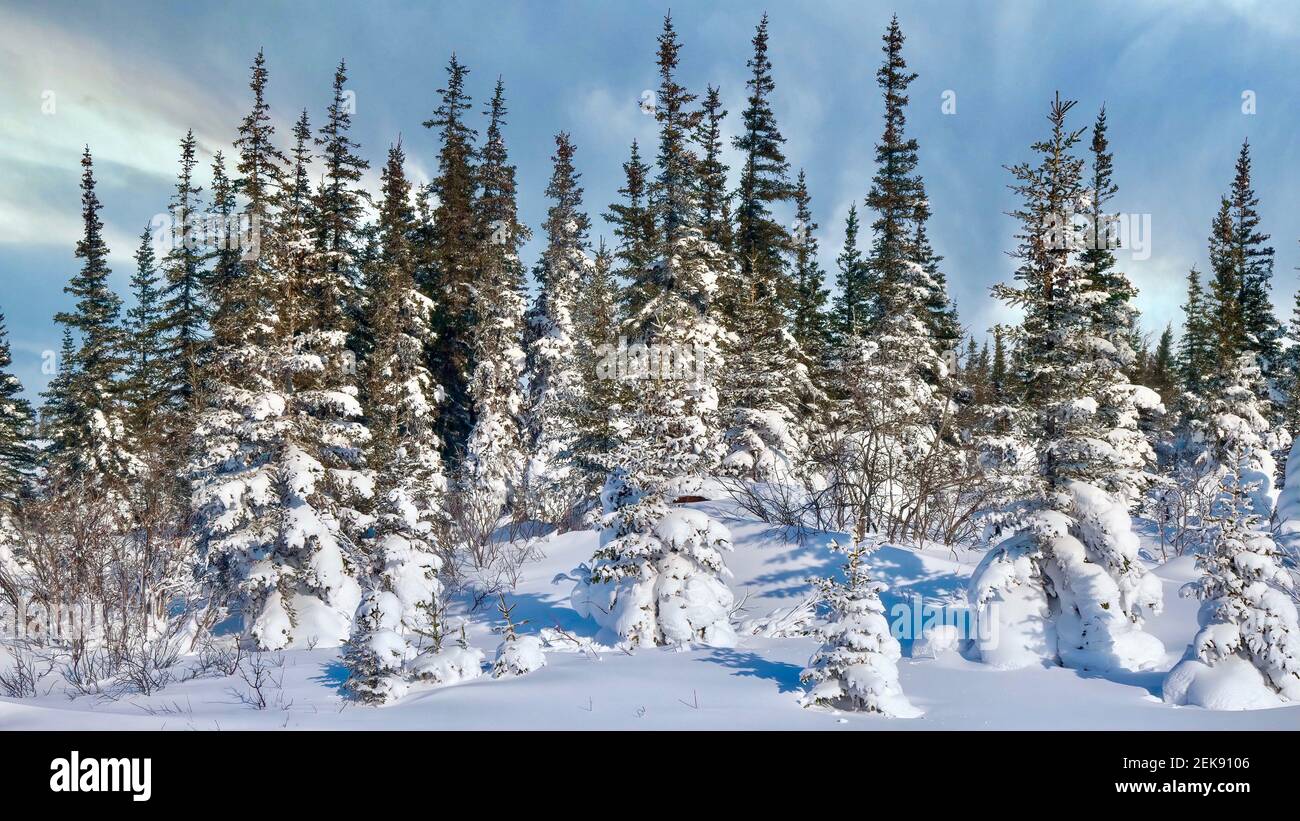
<point x="752" y="686"/>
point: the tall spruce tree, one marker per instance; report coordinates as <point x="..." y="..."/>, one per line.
<point x="184" y="295"/>
<point x="1068" y="587"/>
<point x="853" y="302"/>
<point x="892" y="386"/>
<point x="1114" y="313"/>
<point x="894" y="191"/>
<point x="1255" y="261"/>
<point x="767" y="371"/>
<point x="652" y="552"/>
<point x="810" y="323"/>
<point x="633" y="223"/>
<point x="340" y="203"/>
<point x="715" y="200"/>
<point x="402" y="589"/>
<point x="276" y="444"/>
<point x="671" y="304"/>
<point x="597" y="327"/>
<point x="17" y="453"/>
<point x="1225" y="295"/>
<point x="760" y="238"/>
<point x="1197" y="349"/>
<point x="90" y="440"/>
<point x="402" y="396"/>
<point x="145" y="383"/>
<point x="318" y="230"/>
<point x="495" y="458"/>
<point x="938" y="311"/>
<point x="556" y="386"/>
<point x="1114" y="316"/>
<point x="674" y="192"/>
<point x="454" y="256"/>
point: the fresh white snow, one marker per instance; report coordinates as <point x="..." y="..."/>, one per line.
<point x="754" y="685"/>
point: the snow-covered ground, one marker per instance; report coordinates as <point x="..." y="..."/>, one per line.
<point x="753" y="686"/>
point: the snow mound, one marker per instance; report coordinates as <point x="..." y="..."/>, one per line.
<point x="449" y="665"/>
<point x="1233" y="683"/>
<point x="519" y="657"/>
<point x="937" y="640"/>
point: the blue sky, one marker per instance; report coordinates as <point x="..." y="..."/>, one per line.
<point x="128" y="78"/>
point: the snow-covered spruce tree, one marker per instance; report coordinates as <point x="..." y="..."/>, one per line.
<point x="184" y="319"/>
<point x="1068" y="587"/>
<point x="1248" y="649"/>
<point x="276" y="439"/>
<point x="633" y="222"/>
<point x="940" y="313"/>
<point x="1121" y="402"/>
<point x="331" y="395"/>
<point x="856" y="667"/>
<point x="403" y="592"/>
<point x="17" y="453"/>
<point x="1001" y="451"/>
<point x="88" y="435"/>
<point x="555" y="378"/>
<point x="715" y="200"/>
<point x="324" y="399"/>
<point x="1253" y="261"/>
<point x="449" y="253"/>
<point x="1228" y="310"/>
<point x="516" y="655"/>
<point x="670" y="305"/>
<point x="767" y="371"/>
<point x="402" y="397"/>
<point x="810" y="321"/>
<point x="17" y="463"/>
<point x="1263" y="332"/>
<point x="597" y="331"/>
<point x="144" y="383"/>
<point x="654" y="579"/>
<point x="221" y="209"/>
<point x="340" y="204"/>
<point x="891" y="445"/>
<point x="851" y="310"/>
<point x="490" y="477"/>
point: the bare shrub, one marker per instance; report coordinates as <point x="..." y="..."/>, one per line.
<point x="148" y="664"/>
<point x="216" y="657"/>
<point x="88" y="670"/>
<point x="1179" y="506"/>
<point x="29" y="667"/>
<point x="263" y="675"/>
<point x="783" y="502"/>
